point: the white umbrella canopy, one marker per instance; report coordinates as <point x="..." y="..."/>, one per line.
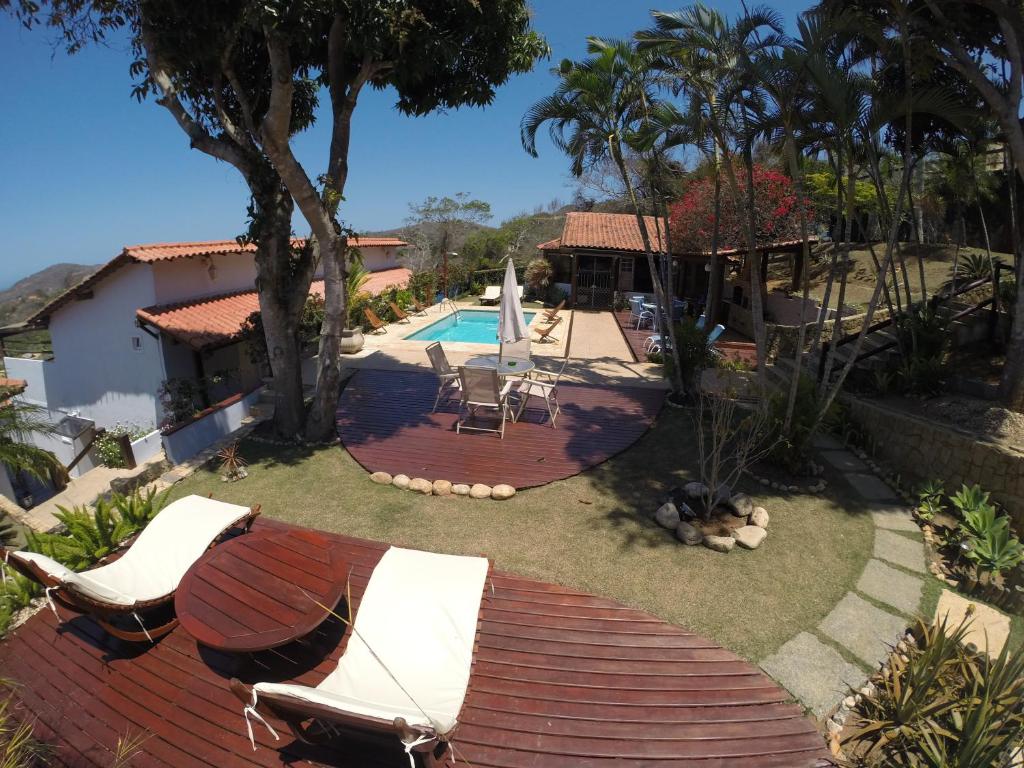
<point x="511" y="323"/>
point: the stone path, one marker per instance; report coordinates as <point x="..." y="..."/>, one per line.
<point x="820" y="667"/>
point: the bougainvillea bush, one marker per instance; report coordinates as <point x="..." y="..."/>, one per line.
<point x="777" y="212"/>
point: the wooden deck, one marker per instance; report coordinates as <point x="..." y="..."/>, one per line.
<point x="384" y="421"/>
<point x="731" y="344"/>
<point x="561" y="679"/>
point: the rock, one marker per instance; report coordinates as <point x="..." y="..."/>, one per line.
<point x="775" y="486"/>
<point x="765" y="482"/>
<point x="689" y="534"/>
<point x="460" y="489"/>
<point x="759" y="517"/>
<point x="834" y="727"/>
<point x="419" y="485"/>
<point x="695" y="490"/>
<point x="480" y="491"/>
<point x="381" y="478"/>
<point x="749" y="536"/>
<point x="667" y="516"/>
<point x="401" y="481"/>
<point x="442" y="488"/>
<point x="720" y="543"/>
<point x="850" y="702"/>
<point x="502" y="491"/>
<point x="741" y="505"/>
<point x="794" y="488"/>
<point x="685" y="512"/>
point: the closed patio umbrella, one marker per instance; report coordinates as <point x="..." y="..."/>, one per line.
<point x="511" y="323"/>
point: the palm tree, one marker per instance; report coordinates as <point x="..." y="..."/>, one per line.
<point x="18" y="421"/>
<point x="600" y="106"/>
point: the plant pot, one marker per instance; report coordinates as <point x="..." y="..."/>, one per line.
<point x="352" y="341"/>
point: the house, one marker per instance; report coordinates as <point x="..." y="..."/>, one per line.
<point x="155" y="313"/>
<point x="601" y="254"/>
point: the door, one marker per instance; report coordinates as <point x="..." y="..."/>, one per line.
<point x="595" y="282"/>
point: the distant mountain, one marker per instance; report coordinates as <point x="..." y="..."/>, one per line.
<point x="27" y="295"/>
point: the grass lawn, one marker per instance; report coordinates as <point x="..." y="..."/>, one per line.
<point x="593" y="532"/>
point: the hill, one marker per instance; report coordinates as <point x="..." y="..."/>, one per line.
<point x="30" y="293"/>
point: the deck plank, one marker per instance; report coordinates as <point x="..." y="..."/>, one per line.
<point x="385" y="423"/>
<point x="561" y="678"/>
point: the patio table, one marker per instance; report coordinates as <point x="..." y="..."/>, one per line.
<point x="503" y="367"/>
<point x="261" y="590"/>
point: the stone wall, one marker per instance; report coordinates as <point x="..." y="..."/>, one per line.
<point x="922" y="450"/>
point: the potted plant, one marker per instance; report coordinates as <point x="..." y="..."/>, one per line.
<point x="352" y="340"/>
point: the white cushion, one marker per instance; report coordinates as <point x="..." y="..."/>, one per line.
<point x="418" y="615"/>
<point x="48" y="565"/>
<point x="155" y="564"/>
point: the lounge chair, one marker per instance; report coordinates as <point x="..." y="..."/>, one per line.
<point x="375" y="322"/>
<point x="519" y="290"/>
<point x="449" y="377"/>
<point x="407" y="665"/>
<point x="482" y="388"/>
<point x="420" y="309"/>
<point x="491" y="294"/>
<point x="551" y="314"/>
<point x="544" y="334"/>
<point x="544" y="385"/>
<point x="400" y="314"/>
<point x="146" y="575"/>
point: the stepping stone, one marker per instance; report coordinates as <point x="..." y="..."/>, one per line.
<point x="823" y="441"/>
<point x="900" y="550"/>
<point x="890" y="586"/>
<point x="844" y="461"/>
<point x="813" y="672"/>
<point x="864" y="630"/>
<point x="894" y="519"/>
<point x="870" y="487"/>
<point x="989" y="628"/>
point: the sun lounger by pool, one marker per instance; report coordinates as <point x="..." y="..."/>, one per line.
<point x="491" y="294"/>
<point x="146" y="576"/>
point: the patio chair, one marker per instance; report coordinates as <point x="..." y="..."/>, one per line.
<point x="716" y="332"/>
<point x="375" y="322"/>
<point x="400" y="314"/>
<point x="491" y="294"/>
<point x="643" y="317"/>
<point x="449" y="376"/>
<point x="546" y="388"/>
<point x="551" y="314"/>
<point x="146" y="576"/>
<point x="481" y="388"/>
<point x="544" y="334"/>
<point x="700" y="322"/>
<point x="407" y="665"/>
<point x="418" y="308"/>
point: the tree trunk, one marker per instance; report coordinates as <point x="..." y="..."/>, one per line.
<point x="320" y="422"/>
<point x="802" y="276"/>
<point x="283" y="283"/>
<point x="756" y="285"/>
<point x="716" y="273"/>
<point x="845" y="269"/>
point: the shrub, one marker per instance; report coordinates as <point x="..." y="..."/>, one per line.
<point x="929" y="500"/>
<point x="423" y="285"/>
<point x="693" y="354"/>
<point x="986" y="537"/>
<point x="538" y="275"/>
<point x="939" y="704"/>
<point x="108" y="447"/>
<point x="790" y="448"/>
<point x="922" y="376"/>
<point x="18" y="745"/>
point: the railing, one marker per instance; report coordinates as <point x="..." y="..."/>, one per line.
<point x="933" y="302"/>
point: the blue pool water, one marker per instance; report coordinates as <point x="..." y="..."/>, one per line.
<point x="474" y="326"/>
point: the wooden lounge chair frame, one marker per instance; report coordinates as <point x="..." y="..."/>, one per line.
<point x="421" y="309"/>
<point x="375" y="322"/>
<point x="551" y="314"/>
<point x="401" y="314"/>
<point x="105" y="613"/>
<point x="318" y="724"/>
<point x="544" y="334"/>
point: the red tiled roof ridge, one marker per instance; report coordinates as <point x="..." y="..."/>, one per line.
<point x="230" y="245"/>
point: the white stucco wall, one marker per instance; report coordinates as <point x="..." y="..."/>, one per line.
<point x="375" y="259"/>
<point x="37" y="374"/>
<point x="183" y="279"/>
<point x="95" y="370"/>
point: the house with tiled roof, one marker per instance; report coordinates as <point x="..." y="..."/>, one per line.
<point x="600" y="255"/>
<point x="160" y="312"/>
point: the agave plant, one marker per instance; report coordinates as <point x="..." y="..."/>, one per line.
<point x="232" y="465"/>
<point x="929" y="500"/>
<point x="996" y="550"/>
<point x="969" y="498"/>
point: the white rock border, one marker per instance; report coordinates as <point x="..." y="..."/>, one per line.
<point x="446" y="488"/>
<point x="668" y="516"/>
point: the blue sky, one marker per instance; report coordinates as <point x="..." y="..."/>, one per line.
<point x="86" y="170"/>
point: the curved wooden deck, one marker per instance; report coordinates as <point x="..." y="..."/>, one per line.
<point x="561" y="679"/>
<point x="384" y="421"/>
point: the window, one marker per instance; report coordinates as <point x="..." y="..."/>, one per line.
<point x="136" y="343"/>
<point x="626" y="266"/>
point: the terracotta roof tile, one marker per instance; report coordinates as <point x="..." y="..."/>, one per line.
<point x="154" y="252"/>
<point x="218" y="320"/>
<point x="610" y="231"/>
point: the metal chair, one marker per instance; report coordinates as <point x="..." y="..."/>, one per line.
<point x="547" y="389"/>
<point x="481" y="388"/>
<point x="449" y="376"/>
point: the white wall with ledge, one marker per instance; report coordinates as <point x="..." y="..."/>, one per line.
<point x="184" y="279"/>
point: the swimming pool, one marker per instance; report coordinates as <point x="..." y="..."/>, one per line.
<point x="474" y="326"/>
